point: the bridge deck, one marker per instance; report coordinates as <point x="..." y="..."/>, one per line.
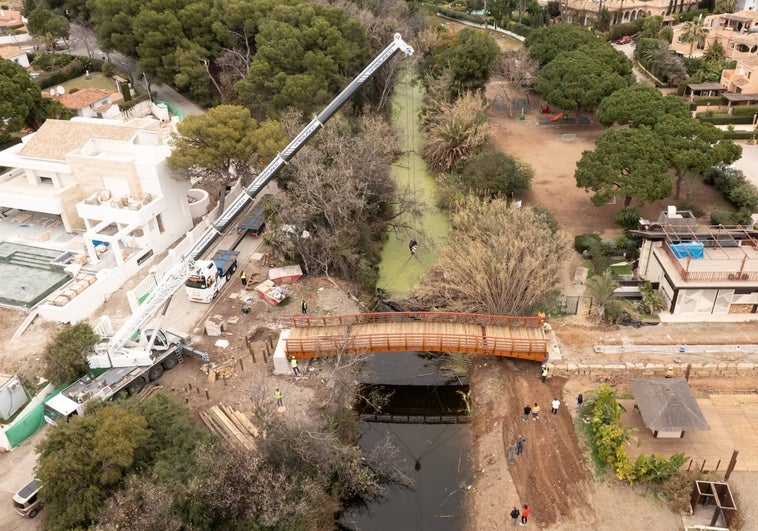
<point x="435" y="332"/>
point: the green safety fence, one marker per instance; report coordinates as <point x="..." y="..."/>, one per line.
<point x="29" y="424"/>
<point x="171" y="109"/>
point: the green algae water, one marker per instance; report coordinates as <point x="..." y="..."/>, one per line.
<point x="399" y="271"/>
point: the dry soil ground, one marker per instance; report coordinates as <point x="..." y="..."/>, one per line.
<point x="554" y="474"/>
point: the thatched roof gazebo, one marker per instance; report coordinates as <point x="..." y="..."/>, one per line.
<point x="667" y="406"/>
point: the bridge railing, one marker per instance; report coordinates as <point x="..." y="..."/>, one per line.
<point x="532" y="349"/>
<point x="309" y="321"/>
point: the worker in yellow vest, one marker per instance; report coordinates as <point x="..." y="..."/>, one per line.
<point x="295" y="368"/>
<point x="278" y="397"/>
<point x="243" y="278"/>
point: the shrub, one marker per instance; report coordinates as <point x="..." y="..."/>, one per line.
<point x="744" y="196"/>
<point x="583" y="242"/>
<point x="109" y="69"/>
<point x="628" y="218"/>
<point x="691" y="15"/>
<point x="491" y="173"/>
<point x="722" y="217"/>
<point x="655" y="468"/>
<point x="48" y="62"/>
<point x="126" y="105"/>
<point x="520" y="29"/>
<point x="73" y="69"/>
<point x="696" y="210"/>
<point x="743" y="216"/>
<point x="548" y="217"/>
<point x="619" y="30"/>
<point x="728" y="179"/>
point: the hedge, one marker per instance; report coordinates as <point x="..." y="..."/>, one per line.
<point x="741" y="110"/>
<point x="476" y="19"/>
<point x="519" y="29"/>
<point x="724" y="119"/>
<point x="74" y="69"/>
<point x="713" y="100"/>
<point x="740" y="135"/>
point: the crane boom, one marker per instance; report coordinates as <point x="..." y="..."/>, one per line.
<point x="176" y="275"/>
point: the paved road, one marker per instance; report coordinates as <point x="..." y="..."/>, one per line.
<point x="83" y="42"/>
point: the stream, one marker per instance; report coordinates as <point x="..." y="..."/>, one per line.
<point x="436" y="456"/>
<point x="399" y="271"/>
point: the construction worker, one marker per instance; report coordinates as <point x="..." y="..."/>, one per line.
<point x="543" y="374"/>
<point x="243" y="278"/>
<point x="295" y="368"/>
<point x="278" y="397"/>
<point x="669" y="372"/>
<point x="304" y="307"/>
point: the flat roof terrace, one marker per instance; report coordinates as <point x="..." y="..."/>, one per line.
<point x="738" y="265"/>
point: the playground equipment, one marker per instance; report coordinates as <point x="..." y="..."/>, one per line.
<point x="557" y="117"/>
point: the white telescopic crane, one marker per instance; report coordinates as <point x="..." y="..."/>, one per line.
<point x="177" y="274"/>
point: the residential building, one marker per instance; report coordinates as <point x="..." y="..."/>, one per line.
<point x="586" y="11"/>
<point x="11" y="22"/>
<point x="701" y="273"/>
<point x="15" y="54"/>
<point x="737" y="33"/>
<point x="88" y="102"/>
<point x="106" y="179"/>
<point x="743" y="78"/>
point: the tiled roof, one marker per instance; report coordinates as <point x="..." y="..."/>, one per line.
<point x="9" y="52"/>
<point x="56" y="138"/>
<point x="82" y="98"/>
<point x="10" y="19"/>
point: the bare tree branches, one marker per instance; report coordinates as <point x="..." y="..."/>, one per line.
<point x="515" y="71"/>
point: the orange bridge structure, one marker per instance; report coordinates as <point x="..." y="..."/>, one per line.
<point x="469" y="333"/>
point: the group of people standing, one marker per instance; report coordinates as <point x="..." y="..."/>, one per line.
<point x="523" y="514"/>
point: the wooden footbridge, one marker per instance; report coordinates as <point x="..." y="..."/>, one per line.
<point x="515" y="337"/>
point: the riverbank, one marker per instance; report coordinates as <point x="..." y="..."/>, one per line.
<point x="556" y="481"/>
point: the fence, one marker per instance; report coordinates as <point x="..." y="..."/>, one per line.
<point x="574" y="305"/>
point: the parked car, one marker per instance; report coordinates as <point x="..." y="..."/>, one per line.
<point x="626" y="39"/>
<point x="26" y="502"/>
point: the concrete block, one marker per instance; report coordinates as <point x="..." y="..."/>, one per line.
<point x="214" y="326"/>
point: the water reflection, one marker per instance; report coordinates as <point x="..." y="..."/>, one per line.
<point x="436" y="457"/>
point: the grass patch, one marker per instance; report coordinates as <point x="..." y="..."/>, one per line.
<point x="620" y="270"/>
<point x="96" y="80"/>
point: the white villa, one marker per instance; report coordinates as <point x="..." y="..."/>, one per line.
<point x="107" y="181"/>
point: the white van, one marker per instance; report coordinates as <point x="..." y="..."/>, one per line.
<point x="26" y="502"/>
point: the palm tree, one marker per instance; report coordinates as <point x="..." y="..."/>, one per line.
<point x="601" y="288"/>
<point x="694" y="32"/>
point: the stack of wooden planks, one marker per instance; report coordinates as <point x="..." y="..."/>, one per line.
<point x="230" y="425"/>
<point x="223" y="371"/>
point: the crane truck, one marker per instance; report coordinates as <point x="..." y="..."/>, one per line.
<point x="144" y="358"/>
<point x="126" y="373"/>
<point x="208" y="276"/>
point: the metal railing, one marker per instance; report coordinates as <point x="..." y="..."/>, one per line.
<point x="308" y="321"/>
